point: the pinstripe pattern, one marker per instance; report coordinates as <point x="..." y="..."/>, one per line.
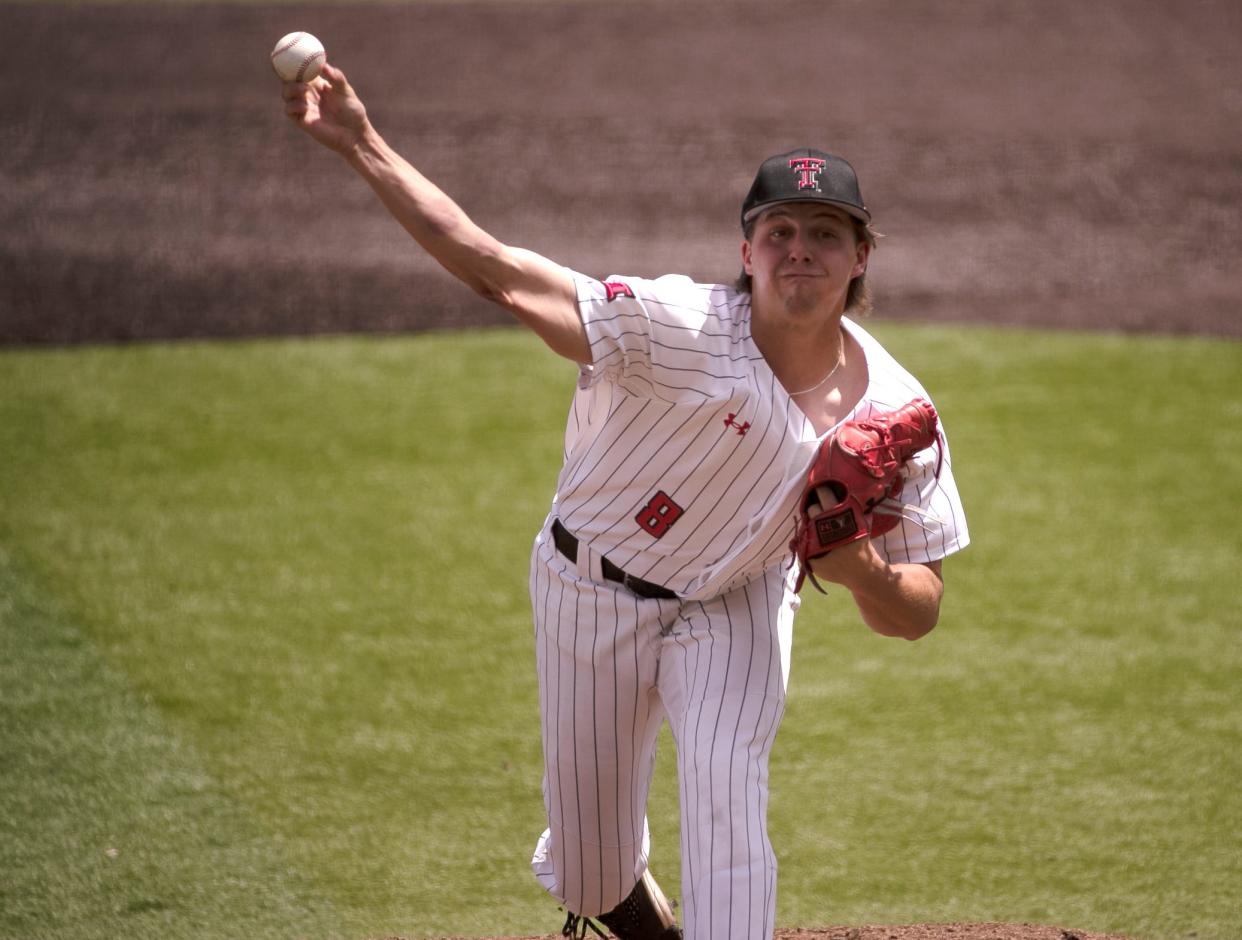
<point x="598" y="653"/>
<point x="675" y="378"/>
<point x="723" y="677"/>
<point x="612" y="667"/>
<point x="672" y="363"/>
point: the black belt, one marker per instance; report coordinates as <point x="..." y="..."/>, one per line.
<point x="567" y="545"/>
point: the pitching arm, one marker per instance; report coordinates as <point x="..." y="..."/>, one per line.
<point x="537" y="291"/>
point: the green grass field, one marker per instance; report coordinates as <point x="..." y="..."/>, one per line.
<point x="265" y="665"/>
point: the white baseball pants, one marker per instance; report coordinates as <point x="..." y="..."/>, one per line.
<point x="612" y="667"/>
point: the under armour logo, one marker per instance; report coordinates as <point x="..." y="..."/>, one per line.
<point x="618" y="289"/>
<point x="808" y="170"/>
<point x="741" y="428"/>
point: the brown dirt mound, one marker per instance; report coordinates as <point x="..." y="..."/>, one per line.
<point x="915" y="932"/>
<point x="945" y="932"/>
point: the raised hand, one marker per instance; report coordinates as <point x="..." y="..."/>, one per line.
<point x="328" y="109"/>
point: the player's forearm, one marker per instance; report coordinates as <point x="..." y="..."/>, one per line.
<point x="535" y="290"/>
<point x="437" y="223"/>
<point x="898" y="600"/>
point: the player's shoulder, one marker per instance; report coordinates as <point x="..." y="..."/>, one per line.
<point x="678" y="291"/>
<point x="888" y="378"/>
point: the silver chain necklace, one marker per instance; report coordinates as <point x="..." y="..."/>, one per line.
<point x="831" y="373"/>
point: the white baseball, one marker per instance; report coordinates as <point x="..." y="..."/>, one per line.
<point x="298" y="57"/>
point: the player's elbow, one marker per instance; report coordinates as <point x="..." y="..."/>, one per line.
<point x="911" y="619"/>
<point x="906" y="628"/>
<point x="488" y="290"/>
<point x="921" y="627"/>
<point x="495" y="276"/>
<point x="482" y="270"/>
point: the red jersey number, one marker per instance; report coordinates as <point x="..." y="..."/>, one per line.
<point x="658" y="516"/>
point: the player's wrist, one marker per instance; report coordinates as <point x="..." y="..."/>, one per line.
<point x="366" y="149"/>
<point x="856" y="566"/>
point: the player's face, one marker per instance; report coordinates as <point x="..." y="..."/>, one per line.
<point x="803" y="256"/>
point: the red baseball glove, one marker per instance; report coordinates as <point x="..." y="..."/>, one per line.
<point x="861" y="465"/>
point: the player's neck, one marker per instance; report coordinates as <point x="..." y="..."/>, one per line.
<point x="799" y="349"/>
<point x="829" y="397"/>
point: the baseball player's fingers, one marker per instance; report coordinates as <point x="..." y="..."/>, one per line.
<point x="827" y="498"/>
<point x="333" y="76"/>
<point x="291" y="90"/>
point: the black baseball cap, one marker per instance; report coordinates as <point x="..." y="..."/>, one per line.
<point x="805" y="175"/>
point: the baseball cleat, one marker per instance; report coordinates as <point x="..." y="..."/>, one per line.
<point x="645" y="915"/>
<point x="577" y="927"/>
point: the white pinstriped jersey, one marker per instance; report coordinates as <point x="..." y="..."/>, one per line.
<point x="684" y="455"/>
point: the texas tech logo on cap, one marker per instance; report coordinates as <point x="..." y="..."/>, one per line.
<point x="808" y="170"/>
<point x="805" y="175"/>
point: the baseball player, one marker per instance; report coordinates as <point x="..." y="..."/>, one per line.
<point x="722" y="442"/>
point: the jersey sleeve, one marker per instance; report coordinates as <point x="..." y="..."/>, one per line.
<point x="934" y="524"/>
<point x="661" y="338"/>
